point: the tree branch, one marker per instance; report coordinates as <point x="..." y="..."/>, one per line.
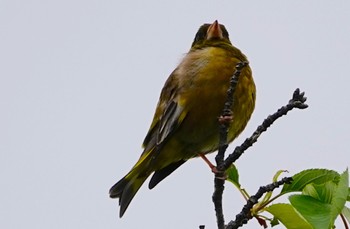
<point x="245" y="215"/>
<point x="226" y="115"/>
<point x="298" y="101"/>
<point x="224" y="121"/>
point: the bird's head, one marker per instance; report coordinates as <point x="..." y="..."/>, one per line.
<point x="209" y="34"/>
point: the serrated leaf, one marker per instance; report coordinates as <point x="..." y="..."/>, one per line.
<point x="346" y="213"/>
<point x="315" y="212"/>
<point x="287" y="215"/>
<point x="233" y="176"/>
<point x="340" y="194"/>
<point x="316" y="176"/>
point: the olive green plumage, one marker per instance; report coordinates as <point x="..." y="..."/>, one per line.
<point x="186" y="118"/>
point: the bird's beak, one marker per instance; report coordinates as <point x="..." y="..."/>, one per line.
<point x="214" y="31"/>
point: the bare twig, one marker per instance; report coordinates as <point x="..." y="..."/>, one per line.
<point x="245" y="215"/>
<point x="224" y="121"/>
<point x="298" y="101"/>
<point x="346" y="226"/>
<point x="226" y="115"/>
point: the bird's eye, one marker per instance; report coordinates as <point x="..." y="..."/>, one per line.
<point x="200" y="35"/>
<point x="224" y="31"/>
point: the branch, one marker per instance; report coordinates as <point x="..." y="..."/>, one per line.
<point x="226" y="115"/>
<point x="298" y="101"/>
<point x="245" y="215"/>
<point x="224" y="121"/>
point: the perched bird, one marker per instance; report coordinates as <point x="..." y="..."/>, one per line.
<point x="185" y="123"/>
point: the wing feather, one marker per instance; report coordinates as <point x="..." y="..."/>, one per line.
<point x="168" y="116"/>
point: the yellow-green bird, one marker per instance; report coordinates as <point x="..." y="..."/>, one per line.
<point x="185" y="123"/>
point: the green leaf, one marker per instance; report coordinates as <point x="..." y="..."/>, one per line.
<point x="315" y="212"/>
<point x="348" y="198"/>
<point x="346" y="213"/>
<point x="310" y="190"/>
<point x="323" y="192"/>
<point x="276" y="176"/>
<point x="274" y="222"/>
<point x="233" y="176"/>
<point x="268" y="195"/>
<point x="316" y="176"/>
<point x="340" y="194"/>
<point x="287" y="215"/>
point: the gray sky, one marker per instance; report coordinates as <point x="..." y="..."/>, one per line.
<point x="79" y="81"/>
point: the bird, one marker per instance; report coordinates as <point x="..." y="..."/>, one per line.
<point x="185" y="124"/>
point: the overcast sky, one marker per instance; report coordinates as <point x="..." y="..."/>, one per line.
<point x="79" y="81"/>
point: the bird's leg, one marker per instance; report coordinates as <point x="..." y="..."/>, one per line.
<point x="212" y="167"/>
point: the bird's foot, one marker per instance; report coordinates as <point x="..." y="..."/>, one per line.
<point x="218" y="174"/>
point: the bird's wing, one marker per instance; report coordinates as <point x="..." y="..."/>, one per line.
<point x="173" y="116"/>
<point x="168" y="116"/>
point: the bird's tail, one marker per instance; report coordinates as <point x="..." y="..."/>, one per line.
<point x="125" y="190"/>
<point x="127" y="187"/>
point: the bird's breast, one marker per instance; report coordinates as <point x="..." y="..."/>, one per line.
<point x="204" y="77"/>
